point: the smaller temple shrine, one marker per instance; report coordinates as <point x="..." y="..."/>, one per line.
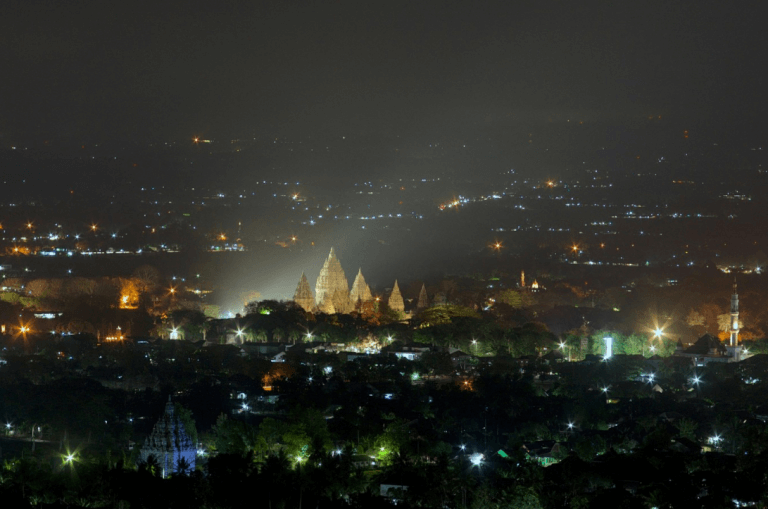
<point x="395" y="301"/>
<point x="170" y="445"/>
<point x="303" y="296"/>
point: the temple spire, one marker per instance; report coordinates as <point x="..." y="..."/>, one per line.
<point x="423" y="301"/>
<point x="360" y="292"/>
<point x="330" y="280"/>
<point x="303" y="296"/>
<point x="395" y="301"/>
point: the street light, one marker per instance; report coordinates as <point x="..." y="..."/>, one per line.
<point x="474" y="342"/>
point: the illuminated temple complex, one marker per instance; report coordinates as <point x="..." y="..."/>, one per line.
<point x="332" y="293"/>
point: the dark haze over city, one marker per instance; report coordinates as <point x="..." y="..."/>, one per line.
<point x="106" y="98"/>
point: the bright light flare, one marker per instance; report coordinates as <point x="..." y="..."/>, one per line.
<point x="477" y="459"/>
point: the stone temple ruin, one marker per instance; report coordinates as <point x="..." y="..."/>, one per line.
<point x="169" y="444"/>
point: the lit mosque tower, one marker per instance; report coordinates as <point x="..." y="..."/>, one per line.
<point x="734" y="349"/>
<point x="734" y="317"/>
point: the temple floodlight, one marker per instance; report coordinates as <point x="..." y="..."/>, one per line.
<point x="608" y="347"/>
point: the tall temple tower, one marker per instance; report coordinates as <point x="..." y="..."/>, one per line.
<point x="734" y="316"/>
<point x="303" y="296"/>
<point x="330" y="280"/>
<point x="395" y="301"/>
<point x="360" y="292"/>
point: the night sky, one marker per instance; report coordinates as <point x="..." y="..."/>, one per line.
<point x="144" y="70"/>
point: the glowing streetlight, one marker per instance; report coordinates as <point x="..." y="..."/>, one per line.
<point x="308" y="335"/>
<point x="474" y="342"/>
<point x="94" y="227"/>
<point x="605" y="390"/>
<point x="477" y="459"/>
<point x="657" y="333"/>
<point x="390" y="338"/>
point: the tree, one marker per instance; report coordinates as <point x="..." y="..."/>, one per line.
<point x="185" y="417"/>
<point x="146" y="279"/>
<point x="516" y="298"/>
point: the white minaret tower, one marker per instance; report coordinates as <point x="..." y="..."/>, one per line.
<point x="734" y="316"/>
